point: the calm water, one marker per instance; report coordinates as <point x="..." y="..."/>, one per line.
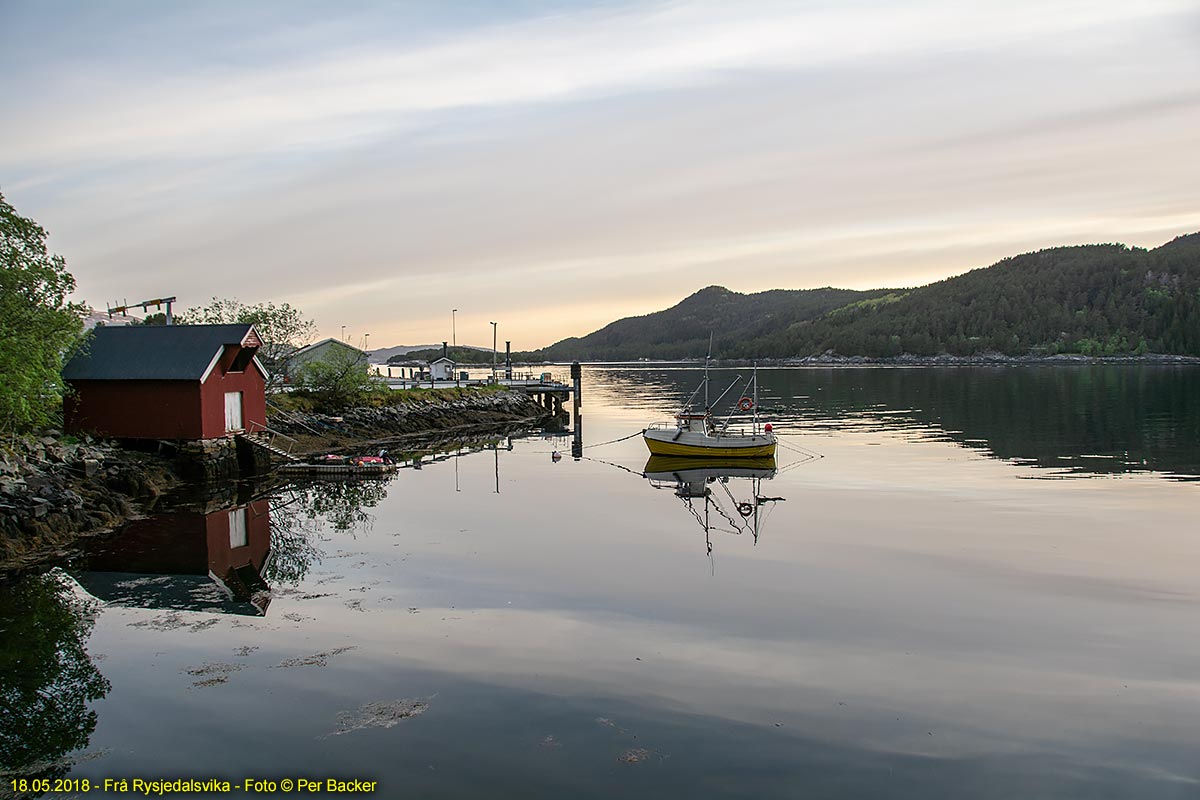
<point x="956" y="583"/>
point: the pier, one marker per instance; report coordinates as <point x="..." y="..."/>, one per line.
<point x="550" y="391"/>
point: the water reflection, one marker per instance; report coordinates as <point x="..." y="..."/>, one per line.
<point x="194" y="560"/>
<point x="47" y="678"/>
<point x="1064" y="421"/>
<point x="722" y="495"/>
<point x="226" y="553"/>
<point x="918" y="622"/>
<point x="343" y="503"/>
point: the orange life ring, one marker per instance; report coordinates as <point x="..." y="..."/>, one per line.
<point x="745" y="404"/>
<point x="745" y="509"/>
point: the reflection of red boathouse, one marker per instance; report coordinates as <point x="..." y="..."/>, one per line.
<point x="186" y="560"/>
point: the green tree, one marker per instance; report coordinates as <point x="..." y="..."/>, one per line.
<point x="340" y="379"/>
<point x="38" y="327"/>
<point x="153" y="319"/>
<point x="282" y="328"/>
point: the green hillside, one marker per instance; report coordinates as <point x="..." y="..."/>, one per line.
<point x="1106" y="299"/>
<point x="1092" y="299"/>
<point x="682" y="331"/>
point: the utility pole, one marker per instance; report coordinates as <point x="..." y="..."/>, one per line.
<point x="453" y="334"/>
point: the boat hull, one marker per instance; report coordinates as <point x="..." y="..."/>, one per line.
<point x="685" y="468"/>
<point x="666" y="442"/>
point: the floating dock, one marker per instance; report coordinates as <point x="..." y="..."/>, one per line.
<point x="301" y="468"/>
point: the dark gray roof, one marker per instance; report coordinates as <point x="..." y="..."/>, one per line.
<point x="151" y="352"/>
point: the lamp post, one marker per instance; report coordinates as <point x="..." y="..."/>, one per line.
<point x="454" y="344"/>
<point x="493" y="352"/>
<point x="343" y="333"/>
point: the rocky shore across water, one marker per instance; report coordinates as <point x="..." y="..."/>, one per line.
<point x="947" y="360"/>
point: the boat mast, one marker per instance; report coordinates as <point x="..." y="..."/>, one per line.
<point x="754" y="428"/>
<point x="706" y="360"/>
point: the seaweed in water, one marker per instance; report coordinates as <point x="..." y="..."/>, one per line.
<point x="212" y="674"/>
<point x="380" y="714"/>
<point x="315" y="660"/>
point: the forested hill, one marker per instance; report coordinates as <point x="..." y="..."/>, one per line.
<point x="1092" y="299"/>
<point x="682" y="331"/>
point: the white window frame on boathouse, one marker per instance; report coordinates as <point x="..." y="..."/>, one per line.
<point x="233" y="412"/>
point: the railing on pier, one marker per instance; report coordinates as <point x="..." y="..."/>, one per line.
<point x="273" y="437"/>
<point x="520" y="380"/>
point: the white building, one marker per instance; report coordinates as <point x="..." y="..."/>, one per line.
<point x="442" y="369"/>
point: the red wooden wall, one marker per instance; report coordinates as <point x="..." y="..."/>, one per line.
<point x="136" y="409"/>
<point x="212" y="394"/>
<point x="165" y="409"/>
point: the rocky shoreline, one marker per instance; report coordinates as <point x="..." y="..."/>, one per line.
<point x="986" y="359"/>
<point x="363" y="426"/>
<point x="56" y="489"/>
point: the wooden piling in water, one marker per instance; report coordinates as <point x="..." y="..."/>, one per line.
<point x="576" y="397"/>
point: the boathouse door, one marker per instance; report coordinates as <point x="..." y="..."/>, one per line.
<point x="233" y="412"/>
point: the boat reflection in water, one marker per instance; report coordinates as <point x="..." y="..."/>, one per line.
<point x="723" y="494"/>
<point x="206" y="560"/>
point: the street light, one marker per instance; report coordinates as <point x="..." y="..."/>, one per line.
<point x="454" y="344"/>
<point x="343" y="333"/>
<point x="493" y="352"/>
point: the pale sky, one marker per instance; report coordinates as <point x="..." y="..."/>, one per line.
<point x="556" y="166"/>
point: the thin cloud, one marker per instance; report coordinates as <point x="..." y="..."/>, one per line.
<point x="374" y="175"/>
<point x="346" y="96"/>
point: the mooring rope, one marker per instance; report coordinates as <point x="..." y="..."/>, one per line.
<point x="614" y="441"/>
<point x="611" y="464"/>
<point x="802" y="451"/>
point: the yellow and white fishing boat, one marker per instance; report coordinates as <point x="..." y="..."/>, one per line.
<point x="697" y="434"/>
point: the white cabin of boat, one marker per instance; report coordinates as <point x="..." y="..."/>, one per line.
<point x="699" y="423"/>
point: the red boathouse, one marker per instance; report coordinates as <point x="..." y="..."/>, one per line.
<point x="172" y="382"/>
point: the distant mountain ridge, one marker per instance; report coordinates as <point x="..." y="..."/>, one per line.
<point x="382" y="355"/>
<point x="1106" y="299"/>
